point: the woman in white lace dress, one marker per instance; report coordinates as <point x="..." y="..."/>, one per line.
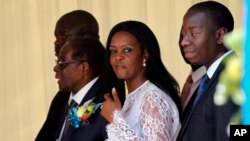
<point x="151" y="109"/>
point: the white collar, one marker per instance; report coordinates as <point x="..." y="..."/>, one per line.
<point x="82" y="92"/>
<point x="214" y="66"/>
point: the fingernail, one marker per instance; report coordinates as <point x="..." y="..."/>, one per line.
<point x="113" y="89"/>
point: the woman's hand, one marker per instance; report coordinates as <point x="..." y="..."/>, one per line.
<point x="109" y="105"/>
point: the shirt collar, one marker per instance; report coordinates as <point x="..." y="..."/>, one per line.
<point x="197" y="74"/>
<point x="82" y="92"/>
<point x="214" y="66"/>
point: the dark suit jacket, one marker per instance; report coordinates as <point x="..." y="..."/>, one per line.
<point x="94" y="131"/>
<point x="207" y="121"/>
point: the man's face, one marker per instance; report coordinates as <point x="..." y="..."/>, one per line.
<point x="198" y="39"/>
<point x="63" y="33"/>
<point x="68" y="70"/>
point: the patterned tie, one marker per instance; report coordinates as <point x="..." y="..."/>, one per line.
<point x="201" y="88"/>
<point x="186" y="90"/>
<point x="67" y="122"/>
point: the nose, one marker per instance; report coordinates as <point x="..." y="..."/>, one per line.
<point x="185" y="40"/>
<point x="119" y="56"/>
<point x="56" y="68"/>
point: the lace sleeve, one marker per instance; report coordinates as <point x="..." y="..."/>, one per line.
<point x="154" y="120"/>
<point x="119" y="129"/>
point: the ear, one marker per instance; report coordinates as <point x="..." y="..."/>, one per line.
<point x="145" y="54"/>
<point x="220" y="33"/>
<point x="84" y="67"/>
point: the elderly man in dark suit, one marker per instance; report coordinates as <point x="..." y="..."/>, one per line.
<point x="201" y="41"/>
<point x="80" y="63"/>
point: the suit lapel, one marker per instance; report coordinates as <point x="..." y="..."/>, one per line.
<point x="93" y="91"/>
<point x="63" y="114"/>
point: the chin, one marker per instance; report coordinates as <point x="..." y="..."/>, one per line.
<point x="121" y="77"/>
<point x="193" y="62"/>
<point x="63" y="89"/>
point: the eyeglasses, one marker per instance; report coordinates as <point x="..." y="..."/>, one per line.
<point x="63" y="64"/>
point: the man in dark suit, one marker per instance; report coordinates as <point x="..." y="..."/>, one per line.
<point x="80" y="63"/>
<point x="73" y="24"/>
<point x="201" y="41"/>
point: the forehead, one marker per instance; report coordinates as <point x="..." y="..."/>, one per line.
<point x="124" y="36"/>
<point x="66" y="25"/>
<point x="66" y="51"/>
<point x="196" y="19"/>
<point x="63" y="26"/>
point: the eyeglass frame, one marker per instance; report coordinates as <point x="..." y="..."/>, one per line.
<point x="63" y="64"/>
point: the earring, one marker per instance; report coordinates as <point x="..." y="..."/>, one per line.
<point x="144" y="63"/>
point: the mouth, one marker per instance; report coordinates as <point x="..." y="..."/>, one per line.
<point x="57" y="76"/>
<point x="119" y="67"/>
<point x="120" y="71"/>
<point x="59" y="82"/>
<point x="189" y="54"/>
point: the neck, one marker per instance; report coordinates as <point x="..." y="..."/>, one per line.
<point x="221" y="52"/>
<point x="136" y="82"/>
<point x="84" y="82"/>
<point x="195" y="67"/>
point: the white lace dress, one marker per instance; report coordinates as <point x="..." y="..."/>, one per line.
<point x="148" y="114"/>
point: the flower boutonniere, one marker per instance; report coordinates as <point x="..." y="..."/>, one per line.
<point x="80" y="115"/>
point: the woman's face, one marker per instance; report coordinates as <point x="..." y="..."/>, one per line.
<point x="126" y="56"/>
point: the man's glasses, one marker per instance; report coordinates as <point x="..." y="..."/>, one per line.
<point x="63" y="64"/>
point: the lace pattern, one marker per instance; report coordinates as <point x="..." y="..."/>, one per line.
<point x="148" y="114"/>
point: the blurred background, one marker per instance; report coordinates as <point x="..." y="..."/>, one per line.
<point x="27" y="83"/>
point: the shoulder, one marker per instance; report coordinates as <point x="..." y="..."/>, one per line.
<point x="152" y="90"/>
<point x="156" y="95"/>
<point x="59" y="100"/>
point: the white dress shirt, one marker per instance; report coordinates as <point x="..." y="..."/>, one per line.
<point x="211" y="70"/>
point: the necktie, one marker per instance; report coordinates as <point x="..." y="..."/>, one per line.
<point x="67" y="122"/>
<point x="186" y="90"/>
<point x="201" y="88"/>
